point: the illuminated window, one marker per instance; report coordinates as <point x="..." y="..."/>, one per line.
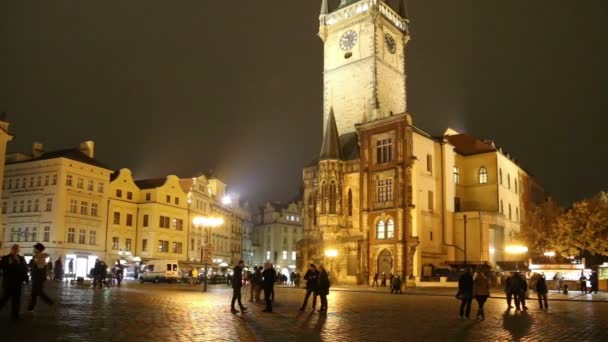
<point x="293" y="256"/>
<point x="284" y="255"/>
<point x="267" y="255"/>
<point x="380" y="230"/>
<point x="390" y="229"/>
<point x="483" y="175"/>
<point x="456" y="175"/>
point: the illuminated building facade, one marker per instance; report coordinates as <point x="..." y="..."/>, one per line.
<point x="278" y="228"/>
<point x="388" y="197"/>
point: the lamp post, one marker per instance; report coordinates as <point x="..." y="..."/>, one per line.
<point x="207" y="223"/>
<point x="516" y="250"/>
<point x="331" y="254"/>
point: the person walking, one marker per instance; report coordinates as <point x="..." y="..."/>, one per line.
<point x="583" y="281"/>
<point x="38" y="277"/>
<point x="268" y="279"/>
<point x="383" y="283"/>
<point x="58" y="269"/>
<point x="557" y="281"/>
<point x="481" y="292"/>
<point x="375" y="283"/>
<point x="260" y="283"/>
<point x="541" y="292"/>
<point x="396" y="289"/>
<point x="237" y="284"/>
<point x="323" y="288"/>
<point x="49" y="269"/>
<point x="519" y="286"/>
<point x="594" y="282"/>
<point x="253" y="282"/>
<point x="509" y="291"/>
<point x="312" y="281"/>
<point x="194" y="278"/>
<point x="14" y="270"/>
<point x="465" y="294"/>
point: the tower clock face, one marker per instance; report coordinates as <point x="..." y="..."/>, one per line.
<point x="390" y="43"/>
<point x="348" y="40"/>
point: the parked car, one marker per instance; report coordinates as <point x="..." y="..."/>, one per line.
<point x="157" y="271"/>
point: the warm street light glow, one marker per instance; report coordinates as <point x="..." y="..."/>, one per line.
<point x="208" y="221"/>
<point x="516" y="249"/>
<point x="549" y="254"/>
<point x="331" y="253"/>
<point x="227" y="200"/>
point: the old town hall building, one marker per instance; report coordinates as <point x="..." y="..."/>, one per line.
<point x="385" y="195"/>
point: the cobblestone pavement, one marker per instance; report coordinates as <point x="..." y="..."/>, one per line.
<point x="178" y="312"/>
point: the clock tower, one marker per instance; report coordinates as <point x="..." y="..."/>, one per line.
<point x="364" y="63"/>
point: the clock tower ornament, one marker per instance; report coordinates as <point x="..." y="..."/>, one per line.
<point x="364" y="60"/>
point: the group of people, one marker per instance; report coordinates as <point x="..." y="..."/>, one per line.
<point x="15" y="272"/>
<point x="102" y="276"/>
<point x="317" y="284"/>
<point x="593" y="281"/>
<point x="261" y="279"/>
<point x="394" y="283"/>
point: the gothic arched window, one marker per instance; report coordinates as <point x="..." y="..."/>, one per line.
<point x="350" y="202"/>
<point x="380" y="230"/>
<point x="390" y="229"/>
<point x="332" y="197"/>
<point x="483" y="175"/>
<point x="323" y="197"/>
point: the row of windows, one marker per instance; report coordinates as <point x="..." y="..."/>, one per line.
<point x="293" y="218"/>
<point x="27" y="206"/>
<point x="116" y="244"/>
<point x="25" y="182"/>
<point x="508" y="181"/>
<point x="69" y="181"/>
<point x="83" y="208"/>
<point x="29" y="234"/>
<point x="284" y="255"/>
<point x="82" y="236"/>
<point x="510" y="213"/>
<point x="163" y="247"/>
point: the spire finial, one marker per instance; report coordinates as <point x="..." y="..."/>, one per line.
<point x="324" y="7"/>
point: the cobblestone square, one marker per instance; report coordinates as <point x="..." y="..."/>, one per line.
<point x="162" y="312"/>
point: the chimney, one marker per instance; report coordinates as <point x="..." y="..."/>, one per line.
<point x="37" y="149"/>
<point x="88" y="148"/>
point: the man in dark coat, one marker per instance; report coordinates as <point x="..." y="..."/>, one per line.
<point x="541" y="292"/>
<point x="269" y="277"/>
<point x="465" y="293"/>
<point x="58" y="269"/>
<point x="14" y="270"/>
<point x="519" y="286"/>
<point x="594" y="282"/>
<point x="237" y="284"/>
<point x="312" y="284"/>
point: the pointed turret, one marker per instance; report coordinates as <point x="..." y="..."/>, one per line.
<point x="331" y="141"/>
<point x="324" y="8"/>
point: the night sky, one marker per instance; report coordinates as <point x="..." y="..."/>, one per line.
<point x="179" y="87"/>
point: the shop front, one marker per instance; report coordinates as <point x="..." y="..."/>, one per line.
<point x="78" y="265"/>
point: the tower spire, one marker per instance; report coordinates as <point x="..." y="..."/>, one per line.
<point x="324" y="7"/>
<point x="331" y="141"/>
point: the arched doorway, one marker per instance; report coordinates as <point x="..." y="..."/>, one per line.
<point x="385" y="262"/>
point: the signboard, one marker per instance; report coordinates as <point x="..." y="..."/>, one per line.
<point x="207" y="253"/>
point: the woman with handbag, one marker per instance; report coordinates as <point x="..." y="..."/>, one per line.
<point x="465" y="294"/>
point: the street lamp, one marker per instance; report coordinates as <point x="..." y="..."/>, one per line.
<point x="516" y="250"/>
<point x="331" y="254"/>
<point x="207" y="222"/>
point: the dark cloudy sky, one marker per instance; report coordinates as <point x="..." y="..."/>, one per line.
<point x="235" y="86"/>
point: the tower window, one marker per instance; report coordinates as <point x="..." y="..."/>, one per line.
<point x="390" y="229"/>
<point x="384" y="150"/>
<point x="456" y="174"/>
<point x="483" y="175"/>
<point x="380" y="230"/>
<point x="385" y="190"/>
<point x="350" y="202"/>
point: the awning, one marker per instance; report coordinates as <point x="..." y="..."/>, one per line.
<point x="511" y="266"/>
<point x="474" y="264"/>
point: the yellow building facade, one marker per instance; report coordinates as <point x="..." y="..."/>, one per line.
<point x="387" y="196"/>
<point x="5" y="137"/>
